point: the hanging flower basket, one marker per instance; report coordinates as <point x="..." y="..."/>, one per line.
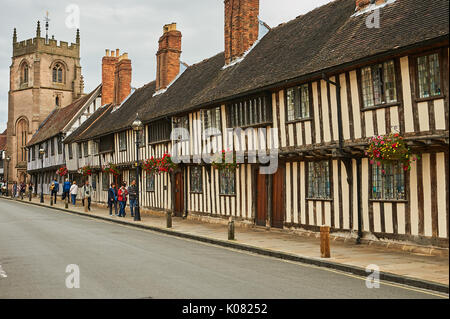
<point x="111" y="169"/>
<point x="86" y="170"/>
<point x="388" y="148"/>
<point x="159" y="165"/>
<point x="62" y="171"/>
<point x="224" y="161"/>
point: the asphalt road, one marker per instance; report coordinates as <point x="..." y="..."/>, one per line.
<point x="37" y="244"/>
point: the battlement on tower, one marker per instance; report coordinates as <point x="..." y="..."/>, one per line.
<point x="38" y="45"/>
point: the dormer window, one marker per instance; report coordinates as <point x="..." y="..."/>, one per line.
<point x="58" y="73"/>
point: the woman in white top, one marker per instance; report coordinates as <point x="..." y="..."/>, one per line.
<point x="74" y="192"/>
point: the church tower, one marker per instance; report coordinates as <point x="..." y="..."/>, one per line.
<point x="44" y="75"/>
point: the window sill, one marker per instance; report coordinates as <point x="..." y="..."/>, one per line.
<point x="306" y="119"/>
<point x="199" y="193"/>
<point x="159" y="142"/>
<point x="319" y="199"/>
<point x="254" y="125"/>
<point x="122" y="150"/>
<point x="388" y="200"/>
<point x="381" y="106"/>
<point x="431" y="98"/>
<point x="227" y="195"/>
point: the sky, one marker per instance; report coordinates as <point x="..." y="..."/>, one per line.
<point x="133" y="26"/>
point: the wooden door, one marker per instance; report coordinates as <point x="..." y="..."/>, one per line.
<point x="261" y="199"/>
<point x="278" y="198"/>
<point x="179" y="194"/>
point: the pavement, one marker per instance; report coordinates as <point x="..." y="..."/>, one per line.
<point x="413" y="269"/>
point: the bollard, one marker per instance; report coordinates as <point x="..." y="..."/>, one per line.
<point x="85" y="204"/>
<point x="51" y="200"/>
<point x="169" y="219"/>
<point x="66" y="200"/>
<point x="325" y="241"/>
<point x="231" y="229"/>
<point x="30" y="195"/>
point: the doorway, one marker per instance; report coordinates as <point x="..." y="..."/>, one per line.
<point x="179" y="194"/>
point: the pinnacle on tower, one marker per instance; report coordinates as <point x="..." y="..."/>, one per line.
<point x="78" y="36"/>
<point x="15" y="36"/>
<point x="38" y="30"/>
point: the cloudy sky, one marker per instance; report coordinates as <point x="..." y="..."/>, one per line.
<point x="133" y="26"/>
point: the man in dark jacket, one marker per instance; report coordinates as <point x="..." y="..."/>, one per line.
<point x="132" y="191"/>
<point x="112" y="199"/>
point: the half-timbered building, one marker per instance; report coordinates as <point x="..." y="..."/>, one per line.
<point x="61" y="122"/>
<point x="314" y="90"/>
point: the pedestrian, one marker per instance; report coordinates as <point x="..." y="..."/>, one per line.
<point x="54" y="189"/>
<point x="112" y="198"/>
<point x="86" y="193"/>
<point x="30" y="188"/>
<point x="122" y="200"/>
<point x="66" y="189"/>
<point x="14" y="190"/>
<point x="74" y="192"/>
<point x="132" y="191"/>
<point x="22" y="190"/>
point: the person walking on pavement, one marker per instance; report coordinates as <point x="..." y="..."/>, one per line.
<point x="86" y="193"/>
<point x="122" y="200"/>
<point x="14" y="190"/>
<point x="30" y="188"/>
<point x="54" y="187"/>
<point x="132" y="191"/>
<point x="112" y="199"/>
<point x="22" y="189"/>
<point x="66" y="189"/>
<point x="74" y="192"/>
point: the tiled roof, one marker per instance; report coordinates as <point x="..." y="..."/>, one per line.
<point x="326" y="37"/>
<point x="58" y="119"/>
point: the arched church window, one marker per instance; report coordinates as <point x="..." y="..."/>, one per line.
<point x="24" y="73"/>
<point x="22" y="135"/>
<point x="58" y="73"/>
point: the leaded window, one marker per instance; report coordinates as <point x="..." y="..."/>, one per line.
<point x="69" y="146"/>
<point x="52" y="146"/>
<point x="150" y="182"/>
<point x="298" y="102"/>
<point x="122" y="141"/>
<point x="86" y="149"/>
<point x="159" y="131"/>
<point x="227" y="181"/>
<point x="251" y="111"/>
<point x="388" y="181"/>
<point x="58" y="73"/>
<point x="80" y="150"/>
<point x="211" y="118"/>
<point x="105" y="181"/>
<point x="196" y="179"/>
<point x="429" y="75"/>
<point x="60" y="145"/>
<point x="378" y="84"/>
<point x="319" y="185"/>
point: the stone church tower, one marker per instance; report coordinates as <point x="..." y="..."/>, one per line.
<point x="44" y="75"/>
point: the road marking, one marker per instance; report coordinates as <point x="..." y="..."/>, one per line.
<point x="2" y="273"/>
<point x="428" y="292"/>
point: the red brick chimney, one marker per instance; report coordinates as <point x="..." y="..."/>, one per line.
<point x="109" y="62"/>
<point x="168" y="56"/>
<point x="122" y="80"/>
<point x="241" y="27"/>
<point x="362" y="4"/>
<point x="116" y="77"/>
